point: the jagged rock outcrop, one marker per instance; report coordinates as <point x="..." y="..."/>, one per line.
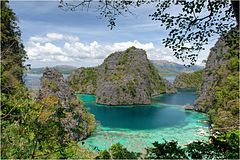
<point x="54" y="92"/>
<point x="169" y="87"/>
<point x="188" y="80"/>
<point x="128" y="77"/>
<point x="219" y="95"/>
<point x="83" y="80"/>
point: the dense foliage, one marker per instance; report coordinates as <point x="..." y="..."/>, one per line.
<point x="190" y="29"/>
<point x="167" y="150"/>
<point x="225" y="112"/>
<point x="117" y="151"/>
<point x="83" y="80"/>
<point x="189" y="80"/>
<point x="30" y="128"/>
<point x="12" y="51"/>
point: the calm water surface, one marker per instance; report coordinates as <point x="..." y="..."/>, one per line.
<point x="138" y="126"/>
<point x="156" y="115"/>
<point x="141" y="125"/>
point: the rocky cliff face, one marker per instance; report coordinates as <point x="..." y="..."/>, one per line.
<point x="128" y="77"/>
<point x="210" y="77"/>
<point x="188" y="80"/>
<point x="55" y="92"/>
<point x="83" y="80"/>
<point x="219" y="95"/>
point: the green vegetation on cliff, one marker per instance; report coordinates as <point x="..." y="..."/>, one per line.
<point x="54" y="91"/>
<point x="189" y="80"/>
<point x="83" y="80"/>
<point x="157" y="83"/>
<point x="220" y="89"/>
<point x="225" y="111"/>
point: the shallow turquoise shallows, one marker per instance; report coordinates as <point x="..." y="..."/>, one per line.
<point x="138" y="126"/>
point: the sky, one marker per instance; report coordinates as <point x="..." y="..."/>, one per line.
<point x="81" y="38"/>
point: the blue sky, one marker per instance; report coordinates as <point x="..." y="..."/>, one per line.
<point x="81" y="38"/>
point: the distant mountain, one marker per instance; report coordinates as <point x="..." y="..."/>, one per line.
<point x="64" y="69"/>
<point x="164" y="67"/>
<point x="171" y="68"/>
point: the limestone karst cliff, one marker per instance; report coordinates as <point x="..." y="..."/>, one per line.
<point x="55" y="92"/>
<point x="128" y="77"/>
<point x="219" y="95"/>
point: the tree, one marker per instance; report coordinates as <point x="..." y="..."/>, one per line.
<point x="12" y="58"/>
<point x="117" y="151"/>
<point x="188" y="30"/>
<point x="166" y="150"/>
<point x="12" y="51"/>
<point x="225" y="146"/>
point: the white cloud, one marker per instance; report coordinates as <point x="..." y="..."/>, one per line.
<point x="72" y="51"/>
<point x="54" y="36"/>
<point x="50" y="37"/>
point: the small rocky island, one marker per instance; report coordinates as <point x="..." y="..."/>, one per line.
<point x="124" y="78"/>
<point x="128" y="77"/>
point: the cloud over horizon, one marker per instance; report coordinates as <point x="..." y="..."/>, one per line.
<point x="56" y="47"/>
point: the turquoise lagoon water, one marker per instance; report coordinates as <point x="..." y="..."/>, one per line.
<point x="138" y="126"/>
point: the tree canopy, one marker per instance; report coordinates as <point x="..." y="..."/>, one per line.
<point x="188" y="30"/>
<point x="225" y="146"/>
<point x="12" y="51"/>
